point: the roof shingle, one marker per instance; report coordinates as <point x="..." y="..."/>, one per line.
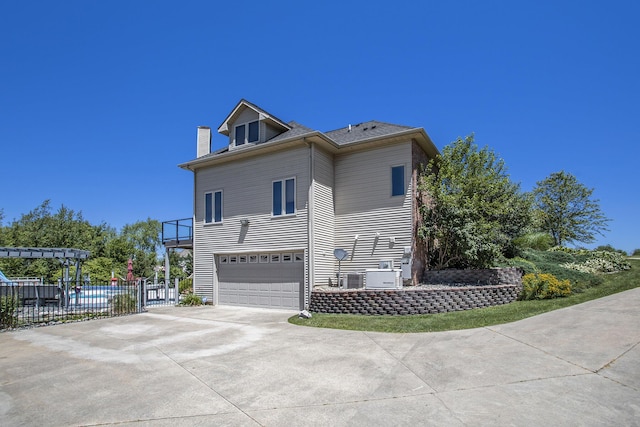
<point x="365" y="130"/>
<point x="296" y="130"/>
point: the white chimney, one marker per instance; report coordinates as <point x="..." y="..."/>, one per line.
<point x="204" y="140"/>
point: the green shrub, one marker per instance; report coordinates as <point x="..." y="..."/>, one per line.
<point x="616" y="260"/>
<point x="543" y="286"/>
<point x="609" y="248"/>
<point x="553" y="255"/>
<point x="562" y="249"/>
<point x="185" y="286"/>
<point x="538" y="241"/>
<point x="583" y="267"/>
<point x="526" y="265"/>
<point x="557" y="256"/>
<point x="124" y="303"/>
<point x="595" y="262"/>
<point x="191" y="299"/>
<point x="579" y="280"/>
<point x="636" y="252"/>
<point x="8" y="315"/>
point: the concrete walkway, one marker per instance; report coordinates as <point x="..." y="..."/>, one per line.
<point x="233" y="366"/>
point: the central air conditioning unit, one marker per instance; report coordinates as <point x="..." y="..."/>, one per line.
<point x="353" y="281"/>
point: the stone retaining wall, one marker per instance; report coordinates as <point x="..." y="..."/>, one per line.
<point x="419" y="300"/>
<point x="487" y="276"/>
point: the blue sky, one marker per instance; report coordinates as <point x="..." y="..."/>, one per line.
<point x="100" y="101"/>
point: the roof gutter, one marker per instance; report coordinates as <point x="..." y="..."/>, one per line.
<point x="417" y="134"/>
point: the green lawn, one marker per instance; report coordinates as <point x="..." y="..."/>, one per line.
<point x="517" y="310"/>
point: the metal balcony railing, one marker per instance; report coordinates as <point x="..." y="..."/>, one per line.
<point x="178" y="233"/>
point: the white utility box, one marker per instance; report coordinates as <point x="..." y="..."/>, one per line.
<point x="383" y="279"/>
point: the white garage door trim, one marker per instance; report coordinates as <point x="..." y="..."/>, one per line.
<point x="265" y="279"/>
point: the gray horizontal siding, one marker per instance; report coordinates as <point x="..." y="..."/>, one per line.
<point x="324" y="218"/>
<point x="247" y="187"/>
<point x="364" y="206"/>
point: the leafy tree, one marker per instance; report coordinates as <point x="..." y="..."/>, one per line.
<point x="181" y="263"/>
<point x="66" y="228"/>
<point x="100" y="269"/>
<point x="471" y="211"/>
<point x="567" y="211"/>
<point x="539" y="241"/>
<point x="40" y="228"/>
<point x="144" y="237"/>
<point x="119" y="249"/>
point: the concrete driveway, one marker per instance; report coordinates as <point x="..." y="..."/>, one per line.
<point x="235" y="366"/>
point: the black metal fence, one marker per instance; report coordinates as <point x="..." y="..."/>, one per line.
<point x="39" y="304"/>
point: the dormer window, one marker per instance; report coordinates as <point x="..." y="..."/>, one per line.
<point x="247" y="133"/>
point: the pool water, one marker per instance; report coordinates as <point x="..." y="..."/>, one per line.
<point x="95" y="295"/>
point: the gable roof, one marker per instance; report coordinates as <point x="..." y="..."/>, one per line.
<point x="263" y="115"/>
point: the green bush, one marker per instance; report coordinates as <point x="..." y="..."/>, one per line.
<point x="185" y="286"/>
<point x="544" y="286"/>
<point x="538" y="241"/>
<point x="124" y="303"/>
<point x="526" y="265"/>
<point x="552" y="255"/>
<point x="563" y="249"/>
<point x="636" y="252"/>
<point x="578" y="279"/>
<point x="616" y="260"/>
<point x="609" y="248"/>
<point x="8" y="315"/>
<point x="191" y="299"/>
<point x="559" y="262"/>
<point x="595" y="262"/>
<point x="556" y="256"/>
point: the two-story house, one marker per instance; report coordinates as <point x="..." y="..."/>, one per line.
<point x="271" y="207"/>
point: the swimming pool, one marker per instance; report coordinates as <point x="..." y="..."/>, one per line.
<point x="95" y="296"/>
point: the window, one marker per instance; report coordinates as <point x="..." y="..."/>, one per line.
<point x="239" y="135"/>
<point x="254" y="132"/>
<point x="397" y="180"/>
<point x="284" y="197"/>
<point x="213" y="207"/>
<point x="247" y="132"/>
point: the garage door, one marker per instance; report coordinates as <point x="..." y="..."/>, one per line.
<point x="272" y="280"/>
